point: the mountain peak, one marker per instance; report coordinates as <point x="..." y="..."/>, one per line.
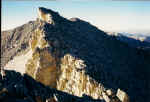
<point x="76" y="57"/>
<point x="47" y="15"/>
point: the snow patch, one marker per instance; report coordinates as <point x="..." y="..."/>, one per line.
<point x="18" y="63"/>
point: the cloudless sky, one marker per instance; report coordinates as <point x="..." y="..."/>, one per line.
<point x="122" y="16"/>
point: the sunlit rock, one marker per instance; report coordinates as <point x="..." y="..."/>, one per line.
<point x="122" y="96"/>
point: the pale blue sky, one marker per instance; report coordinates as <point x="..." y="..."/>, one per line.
<point x="128" y="16"/>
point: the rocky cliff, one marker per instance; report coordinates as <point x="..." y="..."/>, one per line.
<point x="77" y="58"/>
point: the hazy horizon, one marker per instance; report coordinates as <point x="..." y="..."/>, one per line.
<point x="112" y="16"/>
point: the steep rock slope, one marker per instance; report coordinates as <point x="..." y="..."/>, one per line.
<point x="16" y="42"/>
<point x="76" y="57"/>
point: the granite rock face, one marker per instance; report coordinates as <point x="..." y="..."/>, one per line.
<point x="77" y="58"/>
<point x="15" y="87"/>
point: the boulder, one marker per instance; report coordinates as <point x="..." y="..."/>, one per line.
<point x="122" y="96"/>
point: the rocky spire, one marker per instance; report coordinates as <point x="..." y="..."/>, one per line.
<point x="47" y="15"/>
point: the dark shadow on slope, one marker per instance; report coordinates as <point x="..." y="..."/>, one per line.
<point x="20" y="88"/>
<point x="109" y="61"/>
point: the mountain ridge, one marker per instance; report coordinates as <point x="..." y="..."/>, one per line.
<point x="78" y="50"/>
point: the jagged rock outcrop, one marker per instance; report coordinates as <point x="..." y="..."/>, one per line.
<point x="122" y="96"/>
<point x="44" y="64"/>
<point x="46" y="15"/>
<point x="15" y="87"/>
<point x="75" y="57"/>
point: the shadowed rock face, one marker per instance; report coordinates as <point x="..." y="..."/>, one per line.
<point x="76" y="57"/>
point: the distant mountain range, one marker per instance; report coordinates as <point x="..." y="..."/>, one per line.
<point x="138" y="36"/>
<point x="147" y="39"/>
<point x="133" y="40"/>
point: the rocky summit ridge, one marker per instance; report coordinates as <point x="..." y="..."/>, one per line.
<point x="77" y="59"/>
